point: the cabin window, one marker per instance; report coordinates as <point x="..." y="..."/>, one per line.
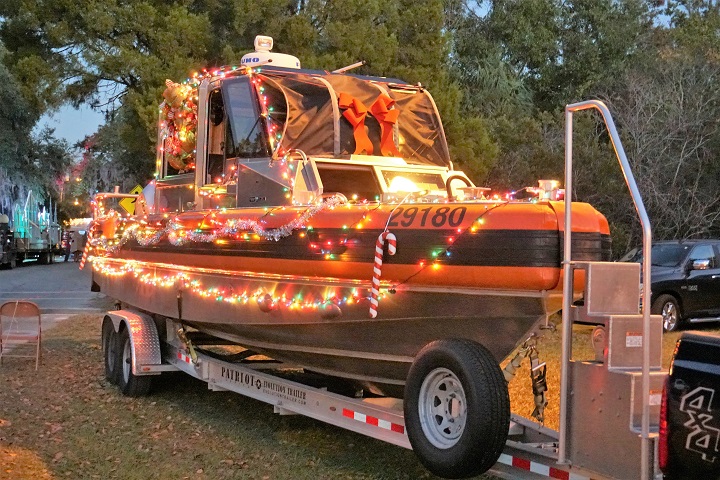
<point x="276" y="112"/>
<point x="300" y="113"/>
<point x="405" y="181"/>
<point x="246" y="136"/>
<point x="421" y="139"/>
<point x="216" y="139"/>
<point x="358" y="184"/>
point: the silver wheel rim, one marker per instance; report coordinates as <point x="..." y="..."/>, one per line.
<point x="443" y="408"/>
<point x="126" y="362"/>
<point x="670" y="316"/>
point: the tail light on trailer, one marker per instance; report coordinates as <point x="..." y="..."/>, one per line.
<point x="663" y="432"/>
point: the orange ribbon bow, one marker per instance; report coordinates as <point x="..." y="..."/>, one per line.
<point x="355" y="113"/>
<point x="387" y="118"/>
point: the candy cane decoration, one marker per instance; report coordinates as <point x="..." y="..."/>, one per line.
<point x="377" y="268"/>
<point x="83" y="259"/>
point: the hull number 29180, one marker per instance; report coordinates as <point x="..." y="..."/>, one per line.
<point x="438" y="217"/>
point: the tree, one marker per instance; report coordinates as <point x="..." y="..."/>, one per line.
<point x="669" y="110"/>
<point x="121" y="53"/>
<point x="569" y="50"/>
<point x="16" y="120"/>
<point x="501" y="72"/>
<point x="23" y="157"/>
<point x="119" y="152"/>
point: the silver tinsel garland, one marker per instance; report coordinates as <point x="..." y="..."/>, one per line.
<point x="178" y="235"/>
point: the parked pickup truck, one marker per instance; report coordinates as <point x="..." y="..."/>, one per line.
<point x="690" y="410"/>
<point x="685" y="280"/>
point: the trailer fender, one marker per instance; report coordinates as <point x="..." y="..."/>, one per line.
<point x="144" y="340"/>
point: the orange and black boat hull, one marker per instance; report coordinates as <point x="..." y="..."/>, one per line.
<point x="486" y="272"/>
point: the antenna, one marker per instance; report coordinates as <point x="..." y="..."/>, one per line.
<point x="349" y="67"/>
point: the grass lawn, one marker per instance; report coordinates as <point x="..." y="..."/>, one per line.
<point x="66" y="421"/>
<point x="521" y="396"/>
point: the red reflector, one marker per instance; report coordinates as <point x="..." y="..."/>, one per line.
<point x="663" y="433"/>
<point x="521" y="463"/>
<point x="559" y="474"/>
<point x="397" y="428"/>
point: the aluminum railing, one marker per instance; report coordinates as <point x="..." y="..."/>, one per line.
<point x="568" y="283"/>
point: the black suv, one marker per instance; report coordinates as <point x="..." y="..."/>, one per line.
<point x="685" y="281"/>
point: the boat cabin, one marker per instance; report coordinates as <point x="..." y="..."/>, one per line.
<point x="266" y="135"/>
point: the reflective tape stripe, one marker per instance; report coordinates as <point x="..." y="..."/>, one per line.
<point x="539" y="468"/>
<point x="184" y="358"/>
<point x="384" y="424"/>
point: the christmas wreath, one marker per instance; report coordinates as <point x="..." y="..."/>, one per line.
<point x="178" y="116"/>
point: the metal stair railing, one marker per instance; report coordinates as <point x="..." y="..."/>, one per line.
<point x="568" y="282"/>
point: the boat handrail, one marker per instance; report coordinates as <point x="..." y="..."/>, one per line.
<point x="568" y="283"/>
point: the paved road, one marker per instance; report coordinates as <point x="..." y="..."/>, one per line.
<point x="59" y="288"/>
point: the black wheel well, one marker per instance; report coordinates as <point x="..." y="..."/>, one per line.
<point x="672" y="293"/>
<point x="121" y="327"/>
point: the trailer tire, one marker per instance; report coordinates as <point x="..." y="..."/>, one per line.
<point x="43" y="258"/>
<point x="130" y="385"/>
<point x="457" y="408"/>
<point x="110" y="346"/>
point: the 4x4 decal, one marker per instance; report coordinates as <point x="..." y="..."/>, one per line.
<point x="702" y="438"/>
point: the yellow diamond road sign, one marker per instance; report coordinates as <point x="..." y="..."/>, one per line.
<point x="129" y="203"/>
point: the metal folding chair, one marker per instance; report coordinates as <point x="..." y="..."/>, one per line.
<point x="20" y="327"/>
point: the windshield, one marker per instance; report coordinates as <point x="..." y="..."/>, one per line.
<point x="669" y="255"/>
<point x="246" y="136"/>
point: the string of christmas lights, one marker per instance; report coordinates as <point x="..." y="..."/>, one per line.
<point x="182" y="280"/>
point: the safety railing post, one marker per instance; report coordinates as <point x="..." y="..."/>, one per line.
<point x="568" y="286"/>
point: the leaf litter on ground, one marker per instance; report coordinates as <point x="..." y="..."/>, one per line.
<point x="67" y="421"/>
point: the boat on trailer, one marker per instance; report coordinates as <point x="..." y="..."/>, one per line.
<point x="316" y="217"/>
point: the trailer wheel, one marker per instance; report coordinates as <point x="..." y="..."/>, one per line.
<point x="457" y="408"/>
<point x="130" y="385"/>
<point x="43" y="258"/>
<point x="110" y="346"/>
